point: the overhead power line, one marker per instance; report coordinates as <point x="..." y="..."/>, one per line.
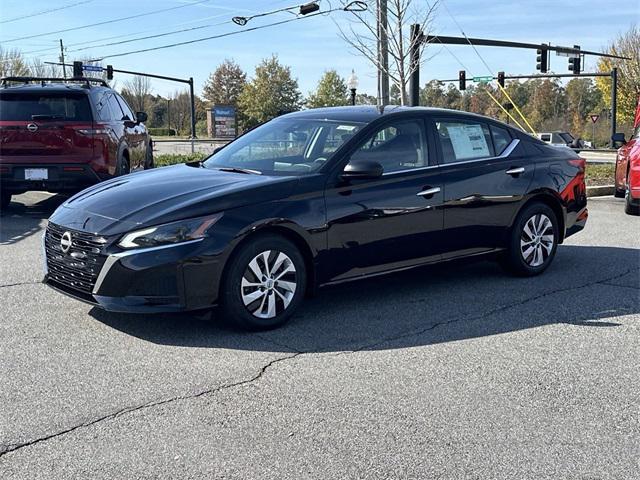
<point x="106" y="22"/>
<point x="43" y="12"/>
<point x="356" y="5"/>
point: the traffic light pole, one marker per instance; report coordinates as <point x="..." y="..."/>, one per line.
<point x="414" y="66"/>
<point x="163" y="77"/>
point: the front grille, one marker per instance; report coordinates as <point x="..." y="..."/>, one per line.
<point x="79" y="267"/>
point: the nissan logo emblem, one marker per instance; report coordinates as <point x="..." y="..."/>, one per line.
<point x="32" y="127"/>
<point x="65" y="242"/>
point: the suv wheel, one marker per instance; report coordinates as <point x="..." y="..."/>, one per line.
<point x="533" y="241"/>
<point x="123" y="165"/>
<point x="265" y="283"/>
<point x="5" y="199"/>
<point x="148" y="157"/>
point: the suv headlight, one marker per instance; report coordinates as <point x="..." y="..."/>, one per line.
<point x="169" y="233"/>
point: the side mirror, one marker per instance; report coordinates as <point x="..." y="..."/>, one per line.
<point x="618" y="139"/>
<point x="364" y="169"/>
<point x="141" y="117"/>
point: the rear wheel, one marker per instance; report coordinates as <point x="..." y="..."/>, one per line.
<point x="533" y="241"/>
<point x="123" y="166"/>
<point x="148" y="157"/>
<point x="5" y="199"/>
<point x="264" y="283"/>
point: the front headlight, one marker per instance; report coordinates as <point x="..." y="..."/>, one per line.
<point x="176" y="232"/>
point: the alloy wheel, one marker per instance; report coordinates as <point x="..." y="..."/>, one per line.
<point x="537" y="240"/>
<point x="268" y="284"/>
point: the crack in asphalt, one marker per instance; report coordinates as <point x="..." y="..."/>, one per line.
<point x="6" y="449"/>
<point x="20" y="283"/>
<point x="485" y="314"/>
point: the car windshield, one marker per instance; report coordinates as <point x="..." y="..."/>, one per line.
<point x="285" y="146"/>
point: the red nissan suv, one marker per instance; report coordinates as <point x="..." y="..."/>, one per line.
<point x="60" y="135"/>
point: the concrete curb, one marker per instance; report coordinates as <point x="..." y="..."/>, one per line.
<point x="600" y="190"/>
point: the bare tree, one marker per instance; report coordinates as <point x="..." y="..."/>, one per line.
<point x="364" y="35"/>
<point x="13" y="63"/>
<point x="137" y="92"/>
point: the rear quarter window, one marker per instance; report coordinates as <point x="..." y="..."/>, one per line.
<point x="63" y="106"/>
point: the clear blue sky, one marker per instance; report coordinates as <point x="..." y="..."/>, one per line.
<point x="309" y="46"/>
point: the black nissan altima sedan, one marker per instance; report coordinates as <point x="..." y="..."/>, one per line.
<point x="314" y="198"/>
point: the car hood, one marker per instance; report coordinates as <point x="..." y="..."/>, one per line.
<point x="164" y="195"/>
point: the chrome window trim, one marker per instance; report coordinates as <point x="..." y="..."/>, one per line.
<point x="114" y="257"/>
<point x="506" y="153"/>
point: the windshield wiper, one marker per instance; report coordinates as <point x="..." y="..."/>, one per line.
<point x="239" y="170"/>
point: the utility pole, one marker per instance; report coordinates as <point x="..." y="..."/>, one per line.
<point x="64" y="68"/>
<point x="383" y="54"/>
<point x="614" y="99"/>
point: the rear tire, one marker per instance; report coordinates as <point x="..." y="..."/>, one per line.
<point x="264" y="283"/>
<point x="148" y="157"/>
<point x="123" y="166"/>
<point x="533" y="241"/>
<point x="5" y="200"/>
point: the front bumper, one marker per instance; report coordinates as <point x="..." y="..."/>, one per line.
<point x="169" y="278"/>
<point x="71" y="177"/>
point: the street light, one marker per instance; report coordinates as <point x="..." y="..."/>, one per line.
<point x="352" y="84"/>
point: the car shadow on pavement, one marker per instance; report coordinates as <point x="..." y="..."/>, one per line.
<point x="425" y="306"/>
<point x="23" y="218"/>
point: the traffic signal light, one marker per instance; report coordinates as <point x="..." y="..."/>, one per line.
<point x="77" y="69"/>
<point x="574" y="62"/>
<point x="462" y="77"/>
<point x="542" y="59"/>
<point x="109" y="72"/>
<point x="501" y="79"/>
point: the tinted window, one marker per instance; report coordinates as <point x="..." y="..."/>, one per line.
<point x="398" y="146"/>
<point x="462" y="140"/>
<point x="125" y="108"/>
<point x="15" y="106"/>
<point x="501" y="138"/>
<point x="114" y="106"/>
<point x="102" y="107"/>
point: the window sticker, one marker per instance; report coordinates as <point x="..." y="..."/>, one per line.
<point x="468" y="141"/>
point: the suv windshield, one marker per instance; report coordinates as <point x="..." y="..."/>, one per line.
<point x="285" y="146"/>
<point x="23" y="106"/>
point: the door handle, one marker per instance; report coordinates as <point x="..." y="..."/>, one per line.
<point x="428" y="192"/>
<point x="515" y="171"/>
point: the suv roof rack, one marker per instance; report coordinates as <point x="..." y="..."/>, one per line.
<point x="86" y="80"/>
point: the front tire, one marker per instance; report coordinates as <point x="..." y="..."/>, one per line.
<point x="264" y="283"/>
<point x="533" y="241"/>
<point x="629" y="208"/>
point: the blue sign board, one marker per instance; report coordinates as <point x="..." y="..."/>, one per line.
<point x="92" y="68"/>
<point x="224" y="121"/>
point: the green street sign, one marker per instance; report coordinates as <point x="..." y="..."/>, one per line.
<point x="484" y="79"/>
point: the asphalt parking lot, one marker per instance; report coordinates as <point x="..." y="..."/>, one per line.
<point x="457" y="371"/>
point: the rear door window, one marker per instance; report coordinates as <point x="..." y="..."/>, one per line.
<point x="125" y="108"/>
<point x="116" y="110"/>
<point x="501" y="138"/>
<point x="30" y="106"/>
<point x="463" y="140"/>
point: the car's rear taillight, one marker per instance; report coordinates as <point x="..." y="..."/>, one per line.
<point x="93" y="131"/>
<point x="579" y="162"/>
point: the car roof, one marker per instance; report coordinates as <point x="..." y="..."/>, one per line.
<point x="369" y="113"/>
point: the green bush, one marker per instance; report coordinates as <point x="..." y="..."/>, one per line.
<point x="162" y="132"/>
<point x="165" y="159"/>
